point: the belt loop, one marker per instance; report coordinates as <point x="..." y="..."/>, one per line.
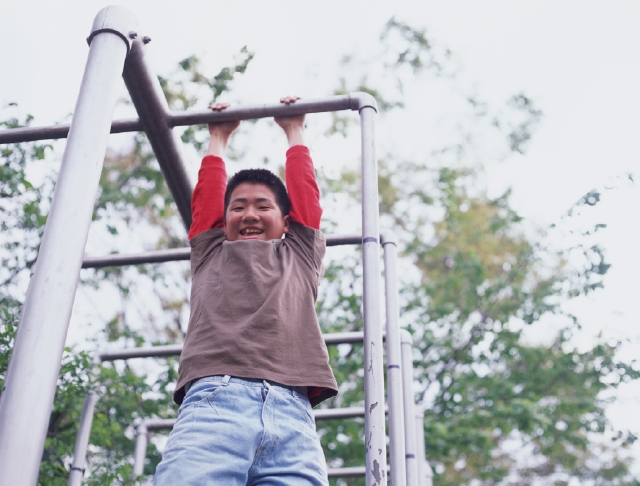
<point x="225" y="380"/>
<point x="266" y="384"/>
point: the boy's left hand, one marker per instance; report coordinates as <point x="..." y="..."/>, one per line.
<point x="293" y="126"/>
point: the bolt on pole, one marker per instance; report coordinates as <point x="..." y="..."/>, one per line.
<point x="30" y="384"/>
<point x="375" y="435"/>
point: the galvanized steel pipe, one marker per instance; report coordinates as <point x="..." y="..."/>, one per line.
<point x="39" y="343"/>
<point x="82" y="440"/>
<point x="179" y="254"/>
<point x="425" y="472"/>
<point x="394" y="364"/>
<point x="375" y="436"/>
<point x="351" y="101"/>
<point x="153" y="110"/>
<point x="411" y="450"/>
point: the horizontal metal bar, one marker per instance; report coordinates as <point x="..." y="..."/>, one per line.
<point x="156" y="424"/>
<point x="196" y="117"/>
<point x="177" y="254"/>
<point x="338" y="413"/>
<point x="343" y="338"/>
<point x="31" y="134"/>
<point x="348" y="472"/>
<point x="176" y="349"/>
<point x="252" y="112"/>
<point x="157" y="256"/>
<point x="321" y="414"/>
<point x="142" y="352"/>
<point x="342" y="240"/>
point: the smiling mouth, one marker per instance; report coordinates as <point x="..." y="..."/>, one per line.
<point x="251" y="232"/>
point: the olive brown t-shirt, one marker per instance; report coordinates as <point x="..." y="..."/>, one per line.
<point x="253" y="311"/>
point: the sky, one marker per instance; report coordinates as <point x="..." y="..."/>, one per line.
<point x="578" y="60"/>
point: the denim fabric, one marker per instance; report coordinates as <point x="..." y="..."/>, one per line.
<point x="240" y="432"/>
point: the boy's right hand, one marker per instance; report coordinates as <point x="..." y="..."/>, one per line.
<point x="220" y="132"/>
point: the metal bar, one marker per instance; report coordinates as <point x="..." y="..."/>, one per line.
<point x="39" y="343"/>
<point x="376" y="447"/>
<point x="153" y="110"/>
<point x="425" y="473"/>
<point x="140" y="451"/>
<point x="338" y="413"/>
<point x="31" y="134"/>
<point x="148" y="425"/>
<point x="176" y="349"/>
<point x="178" y="254"/>
<point x="321" y="414"/>
<point x="157" y="256"/>
<point x="341" y="240"/>
<point x="343" y="338"/>
<point x="82" y="440"/>
<point x="409" y="411"/>
<point x="196" y="117"/>
<point x="233" y="113"/>
<point x="394" y="365"/>
<point x="142" y="352"/>
<point x="347" y="472"/>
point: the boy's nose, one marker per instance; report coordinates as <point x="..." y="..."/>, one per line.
<point x="250" y="214"/>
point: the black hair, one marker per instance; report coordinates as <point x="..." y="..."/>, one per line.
<point x="259" y="176"/>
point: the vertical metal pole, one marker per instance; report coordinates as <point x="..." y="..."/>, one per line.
<point x="424" y="470"/>
<point x="82" y="440"/>
<point x="375" y="436"/>
<point x="411" y="453"/>
<point x="140" y="452"/>
<point x="30" y="385"/>
<point x="394" y="365"/>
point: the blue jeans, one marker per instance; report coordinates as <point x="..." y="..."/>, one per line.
<point x="237" y="432"/>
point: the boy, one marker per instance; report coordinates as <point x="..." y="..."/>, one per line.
<point x="254" y="361"/>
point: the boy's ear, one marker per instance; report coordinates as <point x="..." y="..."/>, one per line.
<point x="286" y="221"/>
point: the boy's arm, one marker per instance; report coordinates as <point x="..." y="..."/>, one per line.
<point x="299" y="172"/>
<point x="207" y="203"/>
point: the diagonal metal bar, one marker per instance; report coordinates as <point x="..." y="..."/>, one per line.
<point x="151" y="104"/>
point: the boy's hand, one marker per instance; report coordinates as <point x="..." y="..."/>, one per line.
<point x="293" y="126"/>
<point x="220" y="132"/>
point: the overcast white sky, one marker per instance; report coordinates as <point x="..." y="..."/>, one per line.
<point x="579" y="60"/>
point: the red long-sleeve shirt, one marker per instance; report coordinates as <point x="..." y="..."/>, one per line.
<point x="207" y="204"/>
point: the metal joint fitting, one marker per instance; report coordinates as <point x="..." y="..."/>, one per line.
<point x="388" y="238"/>
<point x="406" y="337"/>
<point x="360" y="99"/>
<point x="116" y="20"/>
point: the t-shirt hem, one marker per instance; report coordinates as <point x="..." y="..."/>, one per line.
<point x="330" y="386"/>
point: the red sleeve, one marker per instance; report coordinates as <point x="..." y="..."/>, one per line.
<point x="207" y="203"/>
<point x="302" y="187"/>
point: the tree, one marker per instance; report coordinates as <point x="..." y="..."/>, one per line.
<point x="498" y="409"/>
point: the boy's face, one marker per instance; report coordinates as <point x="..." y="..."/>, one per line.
<point x="253" y="214"/>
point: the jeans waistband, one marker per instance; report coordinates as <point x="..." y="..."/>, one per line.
<point x="302" y="390"/>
